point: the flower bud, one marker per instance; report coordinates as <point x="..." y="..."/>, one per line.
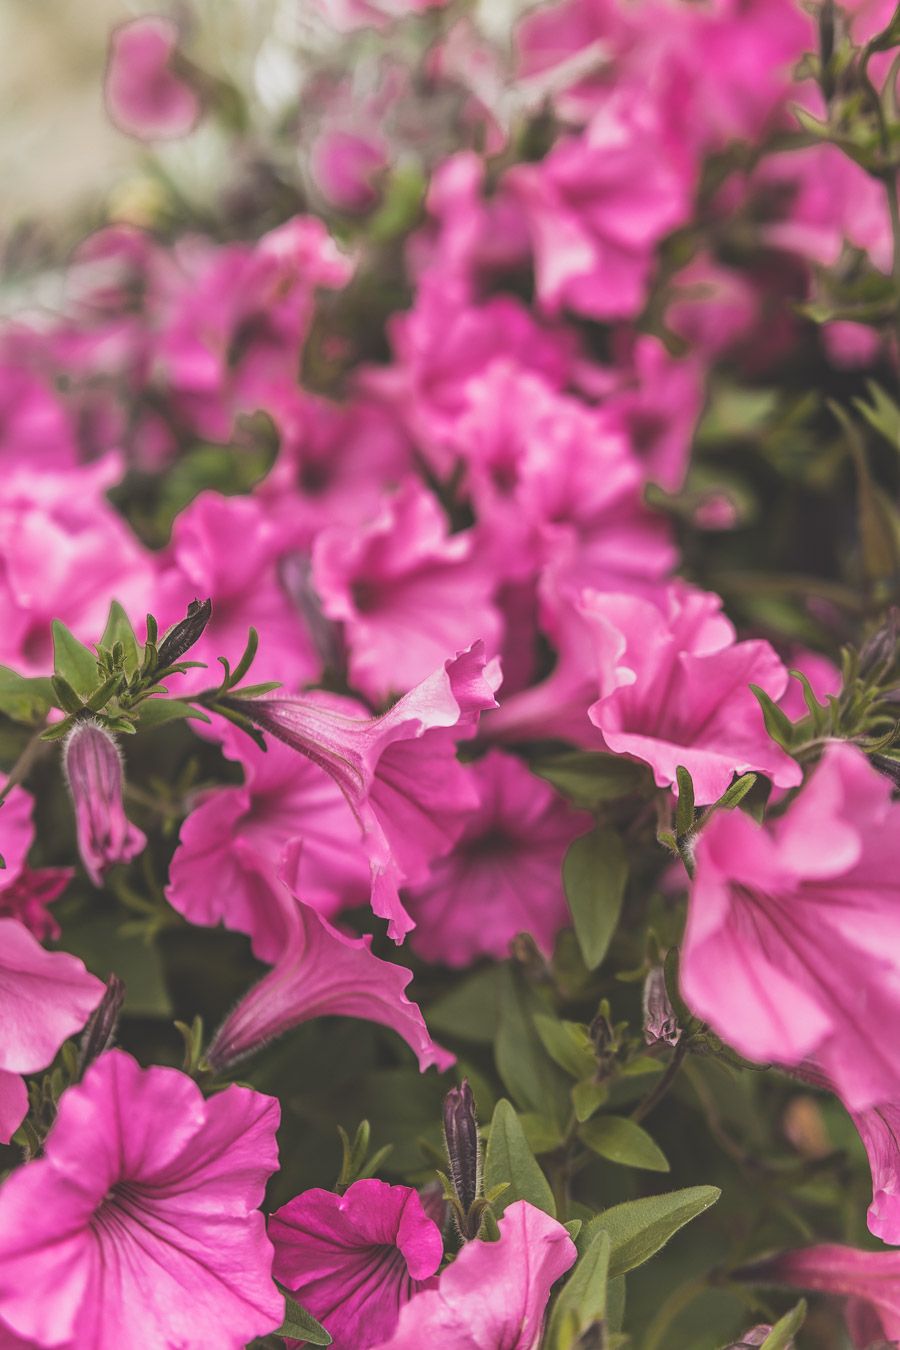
<point x="184" y="634"/>
<point x="755" y="1336"/>
<point x="100" y="1031"/>
<point x="93" y="769"/>
<point x="463" y="1145"/>
<point x="660" y="1022"/>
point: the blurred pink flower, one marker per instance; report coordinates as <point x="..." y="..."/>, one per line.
<point x="346" y="15"/>
<point x="144" y="96"/>
<point x="25" y="892"/>
<point x="504" y="874"/>
<point x="495" y="1294"/>
<point x="871" y="1279"/>
<point x="141" y="1218"/>
<point x="354" y="1260"/>
<point x="45" y="997"/>
<point x="399" y="772"/>
<point x="319" y="972"/>
<point x="92" y="762"/>
<point x="345" y="166"/>
<point x="793" y="930"/>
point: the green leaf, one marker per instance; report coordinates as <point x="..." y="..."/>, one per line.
<point x="782" y="1334"/>
<point x="73" y="661"/>
<point x="621" y="1140"/>
<point x="595" y="872"/>
<point x="24" y="700"/>
<point x="582" y="1302"/>
<point x="882" y="413"/>
<point x="508" y="1158"/>
<point x="567" y="1043"/>
<point x="532" y="1079"/>
<point x="640" y="1228"/>
<point x="155" y="712"/>
<point x="471" y="1009"/>
<point x="588" y="779"/>
<point x="778" y="724"/>
<point x="118" y="629"/>
<point x="300" y="1325"/>
<point x="588" y="1097"/>
<point x="684" y="811"/>
<point x="735" y="794"/>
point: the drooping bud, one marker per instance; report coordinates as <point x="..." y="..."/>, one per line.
<point x="754" y="1337"/>
<point x="878" y="653"/>
<point x="660" y="1022"/>
<point x="463" y="1150"/>
<point x="182" y="636"/>
<point x="93" y="769"/>
<point x="100" y="1031"/>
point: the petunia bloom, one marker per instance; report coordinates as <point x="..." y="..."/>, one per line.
<point x="144" y="96"/>
<point x="494" y="1295"/>
<point x="870" y="1279"/>
<point x="93" y="767"/>
<point x="354" y="1260"/>
<point x="793" y="933"/>
<point x="319" y="972"/>
<point x="399" y="772"/>
<point x="139" y="1224"/>
<point x="503" y="876"/>
<point x="45" y="997"/>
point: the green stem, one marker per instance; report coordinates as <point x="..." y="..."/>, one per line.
<point x="655" y="1096"/>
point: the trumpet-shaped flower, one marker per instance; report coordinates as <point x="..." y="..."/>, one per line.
<point x="495" y="1294"/>
<point x="139" y="1224"/>
<point x="354" y="1260"/>
<point x="793" y="934"/>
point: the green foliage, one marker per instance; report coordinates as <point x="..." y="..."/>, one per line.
<point x="595" y="873"/>
<point x="582" y="1300"/>
<point x="300" y="1325"/>
<point x="508" y="1159"/>
<point x="639" y="1229"/>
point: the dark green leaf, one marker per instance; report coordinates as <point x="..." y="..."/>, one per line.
<point x="155" y="712"/>
<point x="534" y="1082"/>
<point x="735" y="794"/>
<point x="595" y="871"/>
<point x="73" y="661"/>
<point x="640" y="1228"/>
<point x="118" y="629"/>
<point x="778" y="724"/>
<point x="567" y="1043"/>
<point x="66" y="697"/>
<point x="508" y="1158"/>
<point x="684" y="811"/>
<point x="24" y="700"/>
<point x="582" y="1301"/>
<point x="300" y="1325"/>
<point x="588" y="779"/>
<point x="471" y="1009"/>
<point x="621" y="1140"/>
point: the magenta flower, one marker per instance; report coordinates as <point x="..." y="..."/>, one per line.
<point x="354" y="1260"/>
<point x="139" y="1224"/>
<point x="506" y="864"/>
<point x="93" y="767"/>
<point x="144" y="96"/>
<point x="793" y="932"/>
<point x="399" y="772"/>
<point x="495" y="1294"/>
<point x="45" y="997"/>
<point x="865" y="1278"/>
<point x="319" y="972"/>
<point x="406" y="590"/>
<point x="25" y="892"/>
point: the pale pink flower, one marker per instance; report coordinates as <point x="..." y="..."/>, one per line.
<point x="793" y="930"/>
<point x="144" y="96"/>
<point x="598" y="206"/>
<point x="45" y="997"/>
<point x="319" y="972"/>
<point x="494" y="1295"/>
<point x="139" y="1224"/>
<point x="234" y="835"/>
<point x="504" y="874"/>
<point x="405" y="589"/>
<point x="92" y="762"/>
<point x="399" y="772"/>
<point x="354" y="1260"/>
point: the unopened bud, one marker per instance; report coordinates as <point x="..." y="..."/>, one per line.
<point x="879" y="652"/>
<point x="182" y="636"/>
<point x="755" y="1336"/>
<point x="463" y="1146"/>
<point x="660" y="1022"/>
<point x="93" y="769"/>
<point x="100" y="1031"/>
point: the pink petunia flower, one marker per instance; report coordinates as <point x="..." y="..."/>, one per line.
<point x="354" y="1260"/>
<point x="399" y="772"/>
<point x="139" y="1224"/>
<point x="503" y="876"/>
<point x="25" y="892"/>
<point x="144" y="96"/>
<point x="319" y="972"/>
<point x="869" y="1280"/>
<point x="45" y="997"/>
<point x="92" y="762"/>
<point x="793" y="930"/>
<point x="494" y="1295"/>
<point x="405" y="589"/>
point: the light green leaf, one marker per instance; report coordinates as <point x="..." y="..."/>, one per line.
<point x="567" y="1043"/>
<point x="73" y="661"/>
<point x="24" y="700"/>
<point x="508" y="1158"/>
<point x="588" y="1097"/>
<point x="118" y="629"/>
<point x="781" y="1337"/>
<point x="621" y="1140"/>
<point x="532" y="1079"/>
<point x="471" y="1009"/>
<point x="155" y="712"/>
<point x="639" y="1229"/>
<point x="582" y="1301"/>
<point x="300" y="1325"/>
<point x="595" y="872"/>
<point x="588" y="778"/>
